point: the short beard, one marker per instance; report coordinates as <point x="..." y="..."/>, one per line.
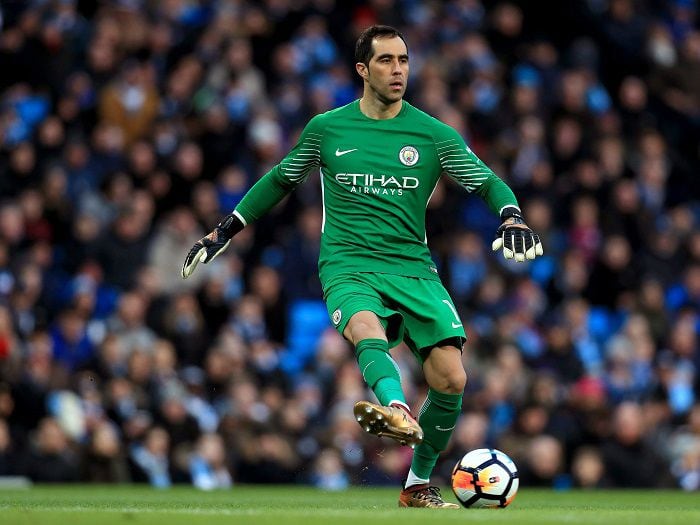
<point x="386" y="100"/>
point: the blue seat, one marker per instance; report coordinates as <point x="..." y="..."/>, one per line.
<point x="308" y="319"/>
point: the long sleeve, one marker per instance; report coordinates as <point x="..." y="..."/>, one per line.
<point x="462" y="165"/>
<point x="285" y="176"/>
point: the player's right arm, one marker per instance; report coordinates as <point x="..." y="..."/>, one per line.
<point x="262" y="197"/>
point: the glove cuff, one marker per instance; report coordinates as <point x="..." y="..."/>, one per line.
<point x="512" y="212"/>
<point x="230" y="225"/>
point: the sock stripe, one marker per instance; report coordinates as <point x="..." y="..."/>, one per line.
<point x="396" y="366"/>
<point x="425" y="406"/>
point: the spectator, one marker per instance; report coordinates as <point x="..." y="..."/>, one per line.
<point x="128" y="323"/>
<point x="267" y="458"/>
<point x="50" y="458"/>
<point x="123" y="250"/>
<point x="208" y="464"/>
<point x="71" y="345"/>
<point x="560" y="356"/>
<point x="8" y="453"/>
<point x="543" y="464"/>
<point x="301" y="256"/>
<point x="684" y="450"/>
<point x="628" y="459"/>
<point x="167" y="243"/>
<point x="149" y="460"/>
<point x="105" y="461"/>
<point x="629" y="374"/>
<point x="131" y="100"/>
<point x="9" y="349"/>
<point x="181" y="427"/>
<point x="613" y="276"/>
<point x="674" y="83"/>
<point x="34" y="383"/>
<point x="588" y="470"/>
<point x="266" y="284"/>
<point x="677" y="366"/>
<point x="183" y="324"/>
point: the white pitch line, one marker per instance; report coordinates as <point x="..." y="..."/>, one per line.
<point x="193" y="511"/>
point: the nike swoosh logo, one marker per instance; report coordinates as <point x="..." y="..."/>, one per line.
<point x="339" y="153"/>
<point x="438" y="427"/>
<point x="456" y="325"/>
<point x="366" y="367"/>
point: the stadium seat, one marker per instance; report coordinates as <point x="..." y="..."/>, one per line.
<point x="307" y="321"/>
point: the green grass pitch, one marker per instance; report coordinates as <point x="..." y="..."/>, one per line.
<point x="132" y="505"/>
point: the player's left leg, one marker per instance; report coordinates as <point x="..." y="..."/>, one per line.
<point x="391" y="418"/>
<point x="446" y="380"/>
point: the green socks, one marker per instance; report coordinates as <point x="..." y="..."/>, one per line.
<point x="379" y="370"/>
<point x="437" y="418"/>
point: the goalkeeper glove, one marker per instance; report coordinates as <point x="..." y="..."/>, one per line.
<point x="515" y="238"/>
<point x="211" y="246"/>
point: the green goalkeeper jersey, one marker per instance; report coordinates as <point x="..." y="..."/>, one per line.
<point x="377" y="177"/>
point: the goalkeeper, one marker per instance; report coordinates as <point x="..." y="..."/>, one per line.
<point x="380" y="160"/>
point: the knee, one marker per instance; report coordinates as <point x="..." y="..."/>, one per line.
<point x="455" y="381"/>
<point x="444" y="370"/>
<point x="359" y="328"/>
<point x="360" y="331"/>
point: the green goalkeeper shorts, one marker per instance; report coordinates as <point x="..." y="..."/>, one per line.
<point x="417" y="311"/>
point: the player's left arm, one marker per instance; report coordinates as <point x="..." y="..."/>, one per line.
<point x="460" y="163"/>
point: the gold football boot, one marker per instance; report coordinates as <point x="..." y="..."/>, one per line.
<point x="394" y="422"/>
<point x="424" y="496"/>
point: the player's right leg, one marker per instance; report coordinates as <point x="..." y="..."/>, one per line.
<point x="392" y="417"/>
<point x="358" y="312"/>
<point x="435" y="335"/>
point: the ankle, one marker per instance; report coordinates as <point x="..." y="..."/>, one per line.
<point x="415" y="488"/>
<point x="412" y="480"/>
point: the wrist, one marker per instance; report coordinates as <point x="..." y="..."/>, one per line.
<point x="230" y="225"/>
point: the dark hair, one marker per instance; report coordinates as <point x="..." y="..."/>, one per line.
<point x="363" y="46"/>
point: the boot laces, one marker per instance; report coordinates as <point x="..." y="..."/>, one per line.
<point x="431" y="494"/>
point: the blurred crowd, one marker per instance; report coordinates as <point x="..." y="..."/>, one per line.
<point x="129" y="127"/>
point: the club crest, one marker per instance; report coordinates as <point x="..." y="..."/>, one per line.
<point x="408" y="156"/>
